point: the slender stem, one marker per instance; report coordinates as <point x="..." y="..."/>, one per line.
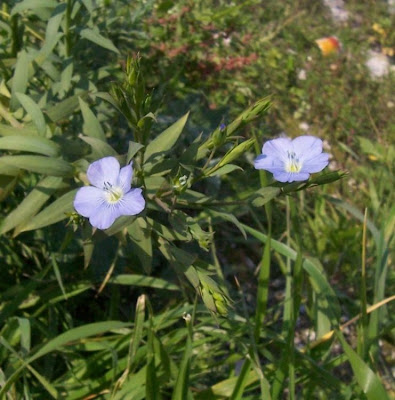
<point x="289" y="315"/>
<point x="364" y="318"/>
<point x="214" y="255"/>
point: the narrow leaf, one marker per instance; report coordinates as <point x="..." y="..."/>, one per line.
<point x="100" y="149"/>
<point x="32" y="144"/>
<point x="366" y="378"/>
<point x="20" y="78"/>
<point x="32" y="203"/>
<point x="32" y="5"/>
<point x="64" y="109"/>
<point x="95" y="37"/>
<point x="52" y="214"/>
<point x="91" y="125"/>
<point x="143" y="281"/>
<point x="39" y="164"/>
<point x="166" y="140"/>
<point x="34" y="111"/>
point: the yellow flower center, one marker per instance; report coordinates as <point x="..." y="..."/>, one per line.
<point x="113" y="193"/>
<point x="293" y="164"/>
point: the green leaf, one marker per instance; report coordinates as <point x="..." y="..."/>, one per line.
<point x="140" y="233"/>
<point x="20" y="78"/>
<point x="64" y="109"/>
<point x="58" y="275"/>
<point x="25" y="130"/>
<point x="132" y="150"/>
<point x="143" y="281"/>
<point x="366" y="378"/>
<point x="52" y="214"/>
<point x="34" y="111"/>
<point x="100" y="149"/>
<point x="227" y="387"/>
<point x="135" y="341"/>
<point x="32" y="5"/>
<point x="227" y="217"/>
<point x="120" y="224"/>
<point x="32" y="203"/>
<point x="39" y="164"/>
<point x="242" y="380"/>
<point x="165" y="232"/>
<point x="72" y="335"/>
<point x="91" y="125"/>
<point x="264" y="195"/>
<point x="25" y="328"/>
<point x="166" y="140"/>
<point x="52" y="35"/>
<point x="95" y="37"/>
<point x="32" y="144"/>
<point x="138" y="328"/>
<point x="8" y="170"/>
<point x="181" y="387"/>
<point x="226" y="169"/>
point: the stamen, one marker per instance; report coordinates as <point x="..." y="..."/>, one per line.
<point x="293" y="164"/>
<point x="113" y="194"/>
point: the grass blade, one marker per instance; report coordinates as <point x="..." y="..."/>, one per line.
<point x="366" y="378"/>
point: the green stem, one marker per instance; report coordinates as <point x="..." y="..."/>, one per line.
<point x="362" y="345"/>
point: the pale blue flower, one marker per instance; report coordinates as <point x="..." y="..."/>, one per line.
<point x="292" y="160"/>
<point x="110" y="195"/>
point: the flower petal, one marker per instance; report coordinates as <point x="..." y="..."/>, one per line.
<point x="291" y="176"/>
<point x="316" y="164"/>
<point x="105" y="216"/>
<point x="105" y="170"/>
<point x="132" y="203"/>
<point x="307" y="147"/>
<point x="269" y="163"/>
<point x="125" y="178"/>
<point x="277" y="148"/>
<point x="88" y="200"/>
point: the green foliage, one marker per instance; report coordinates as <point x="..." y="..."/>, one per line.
<point x="228" y="285"/>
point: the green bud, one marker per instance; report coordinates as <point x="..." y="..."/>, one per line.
<point x="236" y="152"/>
<point x="221" y="308"/>
<point x="219" y="136"/>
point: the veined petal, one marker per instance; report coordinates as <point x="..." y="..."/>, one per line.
<point x="88" y="200"/>
<point x="291" y="176"/>
<point x="125" y="178"/>
<point x="132" y="203"/>
<point x="316" y="164"/>
<point x="307" y="147"/>
<point x="277" y="148"/>
<point x="105" y="170"/>
<point x="282" y="176"/>
<point x="269" y="163"/>
<point x="105" y="216"/>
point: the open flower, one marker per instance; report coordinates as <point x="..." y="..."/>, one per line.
<point x="292" y="160"/>
<point x="110" y="195"/>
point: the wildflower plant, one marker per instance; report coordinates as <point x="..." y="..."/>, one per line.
<point x="106" y="204"/>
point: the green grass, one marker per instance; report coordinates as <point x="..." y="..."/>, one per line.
<point x="228" y="285"/>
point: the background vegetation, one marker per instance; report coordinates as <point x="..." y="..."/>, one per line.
<point x="229" y="285"/>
